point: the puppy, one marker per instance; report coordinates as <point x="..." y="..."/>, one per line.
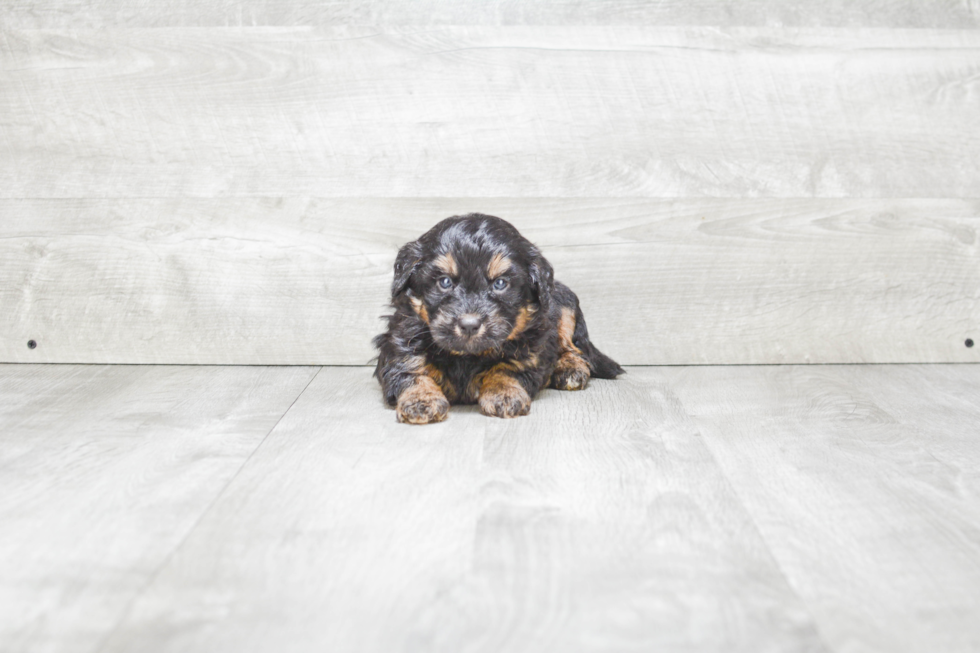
<point x="480" y="319"/>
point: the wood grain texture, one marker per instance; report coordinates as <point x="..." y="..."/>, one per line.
<point x="599" y="522"/>
<point x="303" y="280"/>
<point x="103" y="472"/>
<point x="832" y="13"/>
<point x="863" y="481"/>
<point x="792" y="508"/>
<point x="477" y="111"/>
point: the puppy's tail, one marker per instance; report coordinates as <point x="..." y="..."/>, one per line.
<point x="601" y="366"/>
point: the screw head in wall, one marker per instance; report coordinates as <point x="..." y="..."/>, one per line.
<point x="32" y="344"/>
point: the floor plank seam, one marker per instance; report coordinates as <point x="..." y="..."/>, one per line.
<point x="190" y="531"/>
<point x="762" y="538"/>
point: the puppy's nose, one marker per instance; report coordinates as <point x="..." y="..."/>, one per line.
<point x="469" y="324"/>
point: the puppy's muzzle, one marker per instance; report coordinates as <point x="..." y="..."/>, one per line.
<point x="469" y="325"/>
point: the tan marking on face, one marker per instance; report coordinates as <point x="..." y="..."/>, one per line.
<point x="422" y="402"/>
<point x="566" y="329"/>
<point x="498" y="265"/>
<point x="440" y="320"/>
<point x="447" y="263"/>
<point x="523" y="318"/>
<point x="419" y="309"/>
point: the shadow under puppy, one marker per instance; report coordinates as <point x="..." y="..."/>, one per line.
<point x="479" y="318"/>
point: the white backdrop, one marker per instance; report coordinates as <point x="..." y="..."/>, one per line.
<point x="720" y="182"/>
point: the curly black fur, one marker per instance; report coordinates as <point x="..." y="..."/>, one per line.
<point x="479" y="318"/>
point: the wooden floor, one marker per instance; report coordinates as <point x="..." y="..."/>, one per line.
<point x="781" y="508"/>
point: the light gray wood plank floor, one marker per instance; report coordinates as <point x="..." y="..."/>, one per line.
<point x="823" y="508"/>
<point x="864" y="481"/>
<point x="45" y="14"/>
<point x="103" y="472"/>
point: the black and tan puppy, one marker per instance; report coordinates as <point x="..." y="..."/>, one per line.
<point x="479" y="318"/>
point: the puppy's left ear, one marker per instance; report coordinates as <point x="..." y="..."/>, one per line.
<point x="542" y="279"/>
<point x="407" y="261"/>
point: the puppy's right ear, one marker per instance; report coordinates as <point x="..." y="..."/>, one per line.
<point x="542" y="279"/>
<point x="407" y="261"/>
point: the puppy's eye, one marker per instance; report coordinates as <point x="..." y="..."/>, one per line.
<point x="445" y="283"/>
<point x="500" y="284"/>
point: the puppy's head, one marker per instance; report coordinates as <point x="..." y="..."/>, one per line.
<point x="475" y="281"/>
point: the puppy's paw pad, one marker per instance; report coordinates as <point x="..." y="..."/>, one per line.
<point x="422" y="410"/>
<point x="512" y="402"/>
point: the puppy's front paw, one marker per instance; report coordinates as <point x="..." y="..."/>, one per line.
<point x="507" y="399"/>
<point x="571" y="373"/>
<point x="422" y="403"/>
<point x="569" y="380"/>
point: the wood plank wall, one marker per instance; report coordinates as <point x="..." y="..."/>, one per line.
<point x="755" y="182"/>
